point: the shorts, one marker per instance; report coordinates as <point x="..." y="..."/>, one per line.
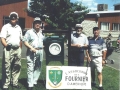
<point x="96" y="62"/>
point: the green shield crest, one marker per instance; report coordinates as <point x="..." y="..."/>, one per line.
<point x="55" y="76"/>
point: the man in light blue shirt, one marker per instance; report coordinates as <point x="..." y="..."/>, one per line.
<point x="33" y="40"/>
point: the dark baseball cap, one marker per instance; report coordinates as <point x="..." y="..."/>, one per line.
<point x="13" y="15"/>
<point x="95" y="28"/>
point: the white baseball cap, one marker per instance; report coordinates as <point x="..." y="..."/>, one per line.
<point x="37" y="19"/>
<point x="13" y="15"/>
<point x="78" y="25"/>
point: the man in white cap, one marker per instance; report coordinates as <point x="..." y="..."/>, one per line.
<point x="11" y="36"/>
<point x="79" y="42"/>
<point x="33" y="40"/>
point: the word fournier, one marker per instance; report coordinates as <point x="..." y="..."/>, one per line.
<point x="76" y="78"/>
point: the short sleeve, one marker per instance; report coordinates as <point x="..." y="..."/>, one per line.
<point x="104" y="46"/>
<point x="86" y="40"/>
<point x="26" y="37"/>
<point x="3" y="33"/>
<point x="21" y="35"/>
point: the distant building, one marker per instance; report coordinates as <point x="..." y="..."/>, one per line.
<point x="117" y="6"/>
<point x="19" y="6"/>
<point x="107" y="21"/>
<point x="102" y="7"/>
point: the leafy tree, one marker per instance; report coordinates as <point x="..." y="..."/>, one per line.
<point x="60" y="12"/>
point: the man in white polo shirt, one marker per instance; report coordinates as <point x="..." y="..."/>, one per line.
<point x="11" y="36"/>
<point x="79" y="42"/>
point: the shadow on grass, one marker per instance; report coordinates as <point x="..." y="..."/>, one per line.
<point x="42" y="82"/>
<point x="23" y="81"/>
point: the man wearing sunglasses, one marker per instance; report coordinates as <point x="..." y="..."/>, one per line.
<point x="11" y="36"/>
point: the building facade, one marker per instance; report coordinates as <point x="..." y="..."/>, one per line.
<point x="107" y="21"/>
<point x="19" y="6"/>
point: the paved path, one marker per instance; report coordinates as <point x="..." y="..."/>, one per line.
<point x="116" y="57"/>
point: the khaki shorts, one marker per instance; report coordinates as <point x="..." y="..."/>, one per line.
<point x="96" y="62"/>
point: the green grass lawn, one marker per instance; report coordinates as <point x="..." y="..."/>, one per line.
<point x="110" y="77"/>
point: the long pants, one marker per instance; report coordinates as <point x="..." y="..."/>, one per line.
<point x="77" y="58"/>
<point x="34" y="63"/>
<point x="11" y="67"/>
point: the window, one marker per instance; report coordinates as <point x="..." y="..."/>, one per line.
<point x="5" y="20"/>
<point x="116" y="26"/>
<point x="105" y="26"/>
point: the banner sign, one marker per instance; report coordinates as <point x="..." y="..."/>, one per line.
<point x="68" y="77"/>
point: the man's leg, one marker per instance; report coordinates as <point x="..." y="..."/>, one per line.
<point x="16" y="66"/>
<point x="92" y="65"/>
<point x="6" y="64"/>
<point x="99" y="68"/>
<point x="81" y="59"/>
<point x="93" y="75"/>
<point x="37" y="67"/>
<point x="30" y="69"/>
<point x="100" y="79"/>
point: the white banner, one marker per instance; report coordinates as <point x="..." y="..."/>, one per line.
<point x="68" y="77"/>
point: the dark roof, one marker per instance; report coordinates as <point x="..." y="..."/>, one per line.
<point x="4" y="2"/>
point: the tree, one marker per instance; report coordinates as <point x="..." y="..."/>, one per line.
<point x="60" y="12"/>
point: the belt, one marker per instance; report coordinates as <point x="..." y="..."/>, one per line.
<point x="38" y="48"/>
<point x="15" y="47"/>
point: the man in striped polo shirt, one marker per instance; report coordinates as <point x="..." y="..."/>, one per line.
<point x="96" y="54"/>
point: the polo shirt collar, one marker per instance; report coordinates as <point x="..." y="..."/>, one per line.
<point x="81" y="35"/>
<point x="12" y="26"/>
<point x="97" y="38"/>
<point x="40" y="31"/>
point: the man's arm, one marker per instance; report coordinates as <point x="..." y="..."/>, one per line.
<point x="104" y="54"/>
<point x="88" y="56"/>
<point x="3" y="41"/>
<point x="103" y="57"/>
<point x="29" y="46"/>
<point x="20" y="44"/>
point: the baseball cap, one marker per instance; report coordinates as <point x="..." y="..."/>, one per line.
<point x="78" y="25"/>
<point x="37" y="19"/>
<point x="13" y="15"/>
<point x="95" y="28"/>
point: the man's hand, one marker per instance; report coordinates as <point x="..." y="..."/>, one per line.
<point x="89" y="59"/>
<point x="33" y="50"/>
<point x="78" y="45"/>
<point x="103" y="62"/>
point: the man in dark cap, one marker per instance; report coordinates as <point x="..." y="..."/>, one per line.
<point x="96" y="55"/>
<point x="11" y="36"/>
